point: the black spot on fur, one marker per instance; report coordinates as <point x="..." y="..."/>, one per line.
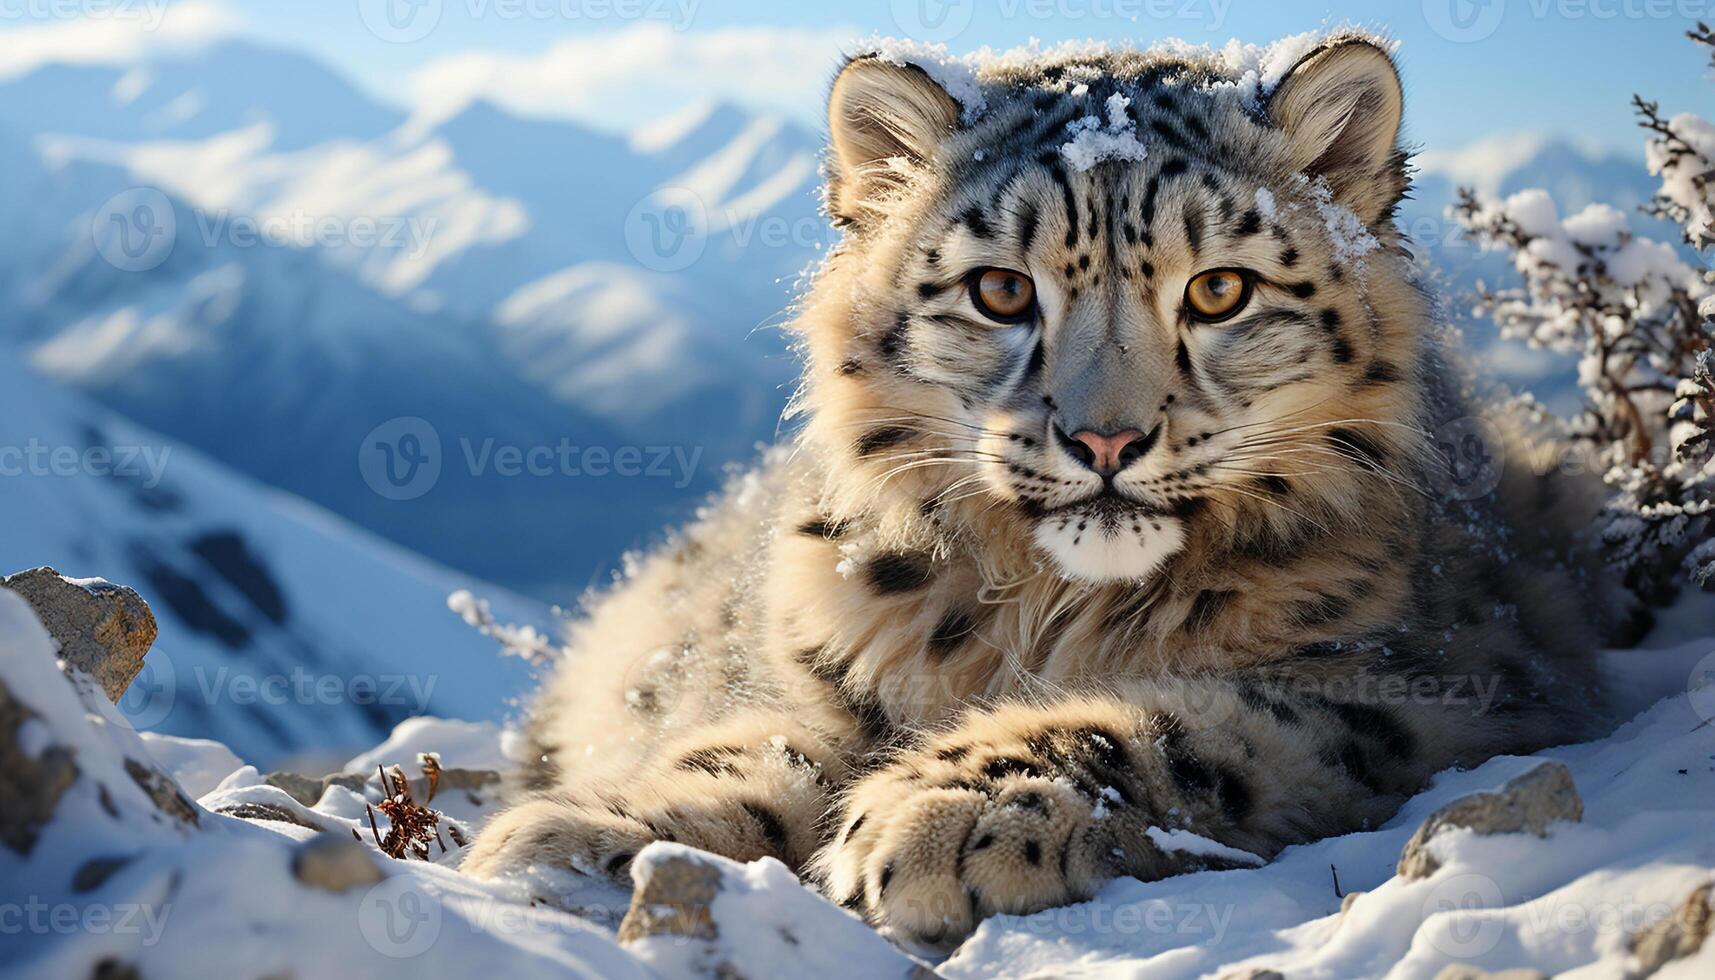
<point x="1182" y="357"/>
<point x="1033" y="852"/>
<point x="772" y="827"/>
<point x="1010" y="766"/>
<point x="927" y="290"/>
<point x="1206" y="607"/>
<point x="953" y="753"/>
<point x="885" y="437"/>
<point x="979" y="226"/>
<point x="1342" y="351"/>
<point x="1275" y="485"/>
<point x="1234" y="795"/>
<point x="822" y="527"/>
<point x="1194" y="227"/>
<point x="1350" y="757"/>
<point x="1303" y="290"/>
<point x="850" y="366"/>
<point x="714" y="760"/>
<point x="1149" y="191"/>
<point x="1289" y="258"/>
<point x="1250" y="223"/>
<point x="1029" y="801"/>
<point x="1320" y="611"/>
<point x="1038" y="356"/>
<point x="1027" y="222"/>
<point x="1381" y="373"/>
<point x="895" y="572"/>
<point x="892" y="341"/>
<point x="1354" y="444"/>
<point x="1375" y="723"/>
<point x="1174" y="168"/>
<point x="1068" y="197"/>
<point x="950" y="632"/>
<point x="1257" y="699"/>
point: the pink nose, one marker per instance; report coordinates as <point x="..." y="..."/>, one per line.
<point x="1110" y="454"/>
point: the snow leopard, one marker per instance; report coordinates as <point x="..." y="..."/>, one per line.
<point x="1113" y="538"/>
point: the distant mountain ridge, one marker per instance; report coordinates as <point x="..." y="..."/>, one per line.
<point x="520" y="316"/>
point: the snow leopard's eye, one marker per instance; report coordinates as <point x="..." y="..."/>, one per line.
<point x="1218" y="294"/>
<point x="1003" y="296"/>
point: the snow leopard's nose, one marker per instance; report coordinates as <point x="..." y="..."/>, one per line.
<point x="1107" y="454"/>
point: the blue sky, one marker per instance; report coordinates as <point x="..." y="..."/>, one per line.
<point x="1473" y="68"/>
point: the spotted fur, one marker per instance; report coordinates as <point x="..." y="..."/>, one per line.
<point x="932" y="659"/>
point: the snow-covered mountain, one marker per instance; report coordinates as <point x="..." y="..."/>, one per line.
<point x="515" y="282"/>
<point x="283" y="629"/>
<point x="501" y="292"/>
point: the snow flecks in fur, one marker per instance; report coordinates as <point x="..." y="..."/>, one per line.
<point x="1092" y="141"/>
<point x="1346" y="231"/>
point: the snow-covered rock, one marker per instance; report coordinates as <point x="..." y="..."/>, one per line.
<point x="697" y="915"/>
<point x="100" y="628"/>
<point x="1530" y="802"/>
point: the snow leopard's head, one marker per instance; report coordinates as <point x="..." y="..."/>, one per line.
<point x="1116" y="305"/>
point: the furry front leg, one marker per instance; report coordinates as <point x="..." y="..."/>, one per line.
<point x="754" y="787"/>
<point x="1026" y="807"/>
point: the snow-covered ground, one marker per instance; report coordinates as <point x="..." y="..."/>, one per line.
<point x="109" y="879"/>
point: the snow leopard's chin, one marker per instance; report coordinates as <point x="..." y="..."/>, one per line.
<point x="1098" y="544"/>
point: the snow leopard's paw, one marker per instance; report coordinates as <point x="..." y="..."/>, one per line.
<point x="558" y="833"/>
<point x="728" y="791"/>
<point x="942" y="838"/>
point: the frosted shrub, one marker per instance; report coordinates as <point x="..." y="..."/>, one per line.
<point x="1641" y="320"/>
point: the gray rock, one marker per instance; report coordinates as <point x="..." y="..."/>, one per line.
<point x="1526" y="803"/>
<point x="101" y="628"/>
<point x="30" y="785"/>
<point x="1460" y="971"/>
<point x="1679" y="935"/>
<point x="672" y="898"/>
<point x="334" y="862"/>
<point x="163" y="792"/>
<point x="308" y="790"/>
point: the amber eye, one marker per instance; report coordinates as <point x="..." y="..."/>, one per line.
<point x="1215" y="295"/>
<point x="1003" y="295"/>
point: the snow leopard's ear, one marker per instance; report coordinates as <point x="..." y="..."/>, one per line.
<point x="883" y="121"/>
<point x="1340" y="108"/>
